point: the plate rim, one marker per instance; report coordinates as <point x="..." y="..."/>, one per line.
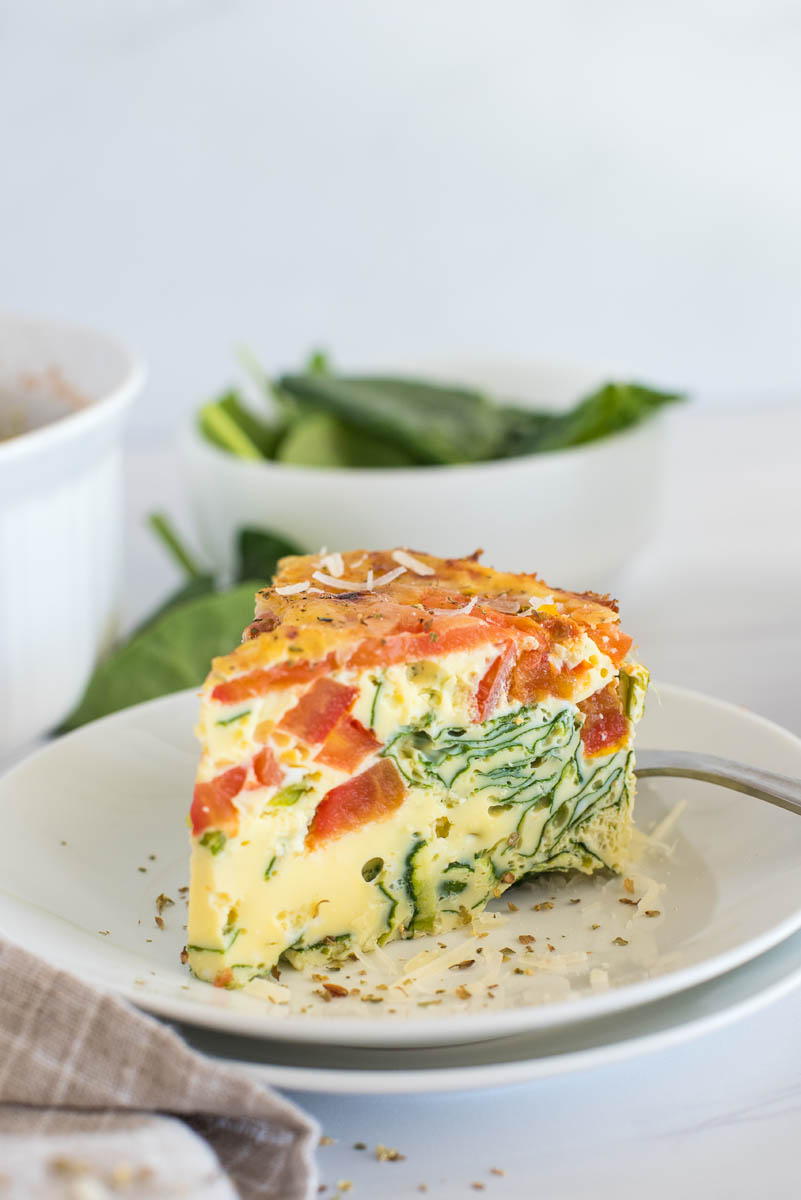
<point x="520" y="1071"/>
<point x="373" y="1031"/>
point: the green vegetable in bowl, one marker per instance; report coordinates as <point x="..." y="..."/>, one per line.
<point x="321" y="440"/>
<point x="431" y="422"/>
<point x="328" y="420"/>
<point x="231" y="425"/>
<point x="172" y="649"/>
<point x="612" y="408"/>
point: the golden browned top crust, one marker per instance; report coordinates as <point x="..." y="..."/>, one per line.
<point x="322" y="605"/>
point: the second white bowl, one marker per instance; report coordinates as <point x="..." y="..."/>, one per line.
<point x="574" y="516"/>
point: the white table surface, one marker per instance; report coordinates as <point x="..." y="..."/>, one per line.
<point x="714" y="603"/>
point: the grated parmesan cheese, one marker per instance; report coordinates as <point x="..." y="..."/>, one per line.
<point x="560" y="963"/>
<point x="503" y="604"/>
<point x="292" y="589"/>
<point x="489" y="920"/>
<point x="493" y="961"/>
<point x="413" y="564"/>
<point x="667" y="822"/>
<point x="376" y="957"/>
<point x="642" y="845"/>
<point x="345" y="585"/>
<point x="427" y="962"/>
<point x="599" y="979"/>
<point x="388" y="576"/>
<point x="264" y="989"/>
<point x="455" y="612"/>
<point x="651" y="891"/>
<point x="333" y="564"/>
<point x="350" y="585"/>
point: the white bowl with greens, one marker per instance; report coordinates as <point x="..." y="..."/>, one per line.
<point x="546" y="469"/>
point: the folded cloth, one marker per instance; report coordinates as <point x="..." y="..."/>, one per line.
<point x="99" y="1101"/>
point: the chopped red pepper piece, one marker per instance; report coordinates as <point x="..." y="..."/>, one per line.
<point x="212" y="802"/>
<point x="413" y="647"/>
<point x="258" y="683"/>
<point x="611" y="640"/>
<point x="318" y="710"/>
<point x="605" y="724"/>
<point x="371" y="796"/>
<point x="347" y="745"/>
<point x="266" y="769"/>
<point x="534" y="677"/>
<point x="491" y="686"/>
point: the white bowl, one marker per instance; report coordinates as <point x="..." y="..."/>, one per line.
<point x="574" y="516"/>
<point x="60" y="515"/>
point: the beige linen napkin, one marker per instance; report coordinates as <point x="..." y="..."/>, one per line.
<point x="99" y="1102"/>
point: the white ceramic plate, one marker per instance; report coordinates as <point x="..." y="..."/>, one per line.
<point x="94" y="832"/>
<point x="363" y="1070"/>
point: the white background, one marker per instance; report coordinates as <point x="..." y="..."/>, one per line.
<point x="612" y="183"/>
<point x="600" y="182"/>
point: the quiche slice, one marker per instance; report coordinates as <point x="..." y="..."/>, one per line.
<point x="399" y="739"/>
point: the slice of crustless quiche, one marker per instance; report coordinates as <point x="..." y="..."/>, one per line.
<point x="399" y="739"/>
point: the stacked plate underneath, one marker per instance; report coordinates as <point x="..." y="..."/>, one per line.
<point x="558" y="975"/>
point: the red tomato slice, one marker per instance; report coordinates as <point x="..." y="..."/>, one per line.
<point x="266" y="769"/>
<point x="258" y="683"/>
<point x="605" y="725"/>
<point x="491" y="686"/>
<point x="371" y="796"/>
<point x="212" y="803"/>
<point x="347" y="745"/>
<point x="611" y="640"/>
<point x="534" y="677"/>
<point x="318" y="710"/>
<point x="412" y="647"/>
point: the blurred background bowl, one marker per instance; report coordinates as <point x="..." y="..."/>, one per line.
<point x="574" y="516"/>
<point x="64" y="395"/>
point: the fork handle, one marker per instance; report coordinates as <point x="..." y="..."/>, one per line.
<point x="780" y="790"/>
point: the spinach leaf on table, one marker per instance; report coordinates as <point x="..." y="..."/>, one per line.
<point x="259" y="551"/>
<point x="199" y="585"/>
<point x="172" y="652"/>
<point x="198" y="582"/>
<point x="174" y="647"/>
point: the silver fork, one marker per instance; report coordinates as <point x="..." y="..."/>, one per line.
<point x="780" y="790"/>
